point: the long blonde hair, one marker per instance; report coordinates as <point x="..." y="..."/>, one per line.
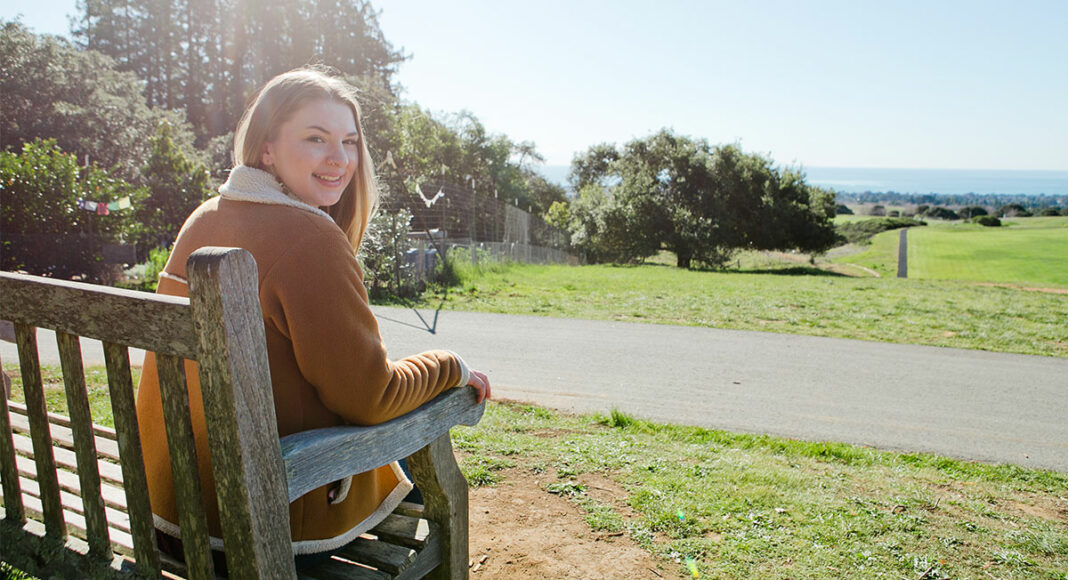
<point x="275" y="104"/>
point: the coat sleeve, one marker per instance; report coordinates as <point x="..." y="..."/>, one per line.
<point x="315" y="296"/>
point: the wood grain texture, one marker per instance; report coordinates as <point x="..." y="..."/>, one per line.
<point x="444" y="489"/>
<point x="33" y="390"/>
<point x="148" y="321"/>
<point x="81" y="429"/>
<point x="192" y="517"/>
<point x="9" y="481"/>
<point x="134" y="479"/>
<point x="23" y="544"/>
<point x="320" y="456"/>
<point x="239" y="407"/>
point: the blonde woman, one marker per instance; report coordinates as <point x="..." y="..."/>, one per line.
<point x="299" y="199"/>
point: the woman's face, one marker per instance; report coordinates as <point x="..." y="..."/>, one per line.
<point x="316" y="152"/>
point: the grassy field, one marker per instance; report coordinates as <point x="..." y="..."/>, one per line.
<point x="746" y="506"/>
<point x="749" y="506"/>
<point x="1029" y="252"/>
<point x="787" y="298"/>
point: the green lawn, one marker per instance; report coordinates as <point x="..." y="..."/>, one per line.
<point x="1028" y="252"/>
<point x="750" y="506"/>
<point x="795" y="299"/>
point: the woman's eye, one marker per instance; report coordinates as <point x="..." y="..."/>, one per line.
<point x="316" y="139"/>
<point x="352" y="142"/>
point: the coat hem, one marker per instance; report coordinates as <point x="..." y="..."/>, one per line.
<point x="306" y="547"/>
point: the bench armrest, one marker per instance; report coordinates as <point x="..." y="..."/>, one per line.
<point x="320" y="456"/>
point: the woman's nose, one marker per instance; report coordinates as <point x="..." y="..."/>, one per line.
<point x="337" y="156"/>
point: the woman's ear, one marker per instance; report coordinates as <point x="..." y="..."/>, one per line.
<point x="266" y="158"/>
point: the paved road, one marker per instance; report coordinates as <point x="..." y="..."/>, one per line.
<point x="960" y="403"/>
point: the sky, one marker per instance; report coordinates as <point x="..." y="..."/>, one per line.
<point x="969" y="84"/>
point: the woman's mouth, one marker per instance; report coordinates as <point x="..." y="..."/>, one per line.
<point x="328" y="179"/>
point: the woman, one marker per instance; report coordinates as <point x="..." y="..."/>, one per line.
<point x="299" y="200"/>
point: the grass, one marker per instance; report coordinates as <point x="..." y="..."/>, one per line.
<point x="1028" y="251"/>
<point x="750" y="506"/>
<point x="789" y="297"/>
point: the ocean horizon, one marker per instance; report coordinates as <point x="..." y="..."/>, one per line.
<point x="916" y="181"/>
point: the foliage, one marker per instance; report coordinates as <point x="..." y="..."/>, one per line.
<point x="1013" y="210"/>
<point x="843" y="209"/>
<point x="941" y="213"/>
<point x="972" y="211"/>
<point x="987" y="220"/>
<point x="698" y="201"/>
<point x="42" y="229"/>
<point x="862" y="231"/>
<point x="382" y="254"/>
<point x="208" y="56"/>
<point x="954" y="200"/>
<point x="51" y="90"/>
<point x="176" y="185"/>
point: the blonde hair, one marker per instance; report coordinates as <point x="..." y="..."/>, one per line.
<point x="275" y="104"/>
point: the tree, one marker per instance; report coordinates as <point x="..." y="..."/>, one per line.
<point x="702" y="203"/>
<point x="176" y="185"/>
<point x="42" y="228"/>
<point x="971" y="211"/>
<point x="51" y="90"/>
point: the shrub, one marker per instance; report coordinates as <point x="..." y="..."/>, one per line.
<point x="972" y="211"/>
<point x="843" y="209"/>
<point x="1051" y="211"/>
<point x="988" y="221"/>
<point x="862" y="231"/>
<point x="941" y="213"/>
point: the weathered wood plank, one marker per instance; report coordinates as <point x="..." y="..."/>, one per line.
<point x="113" y="496"/>
<point x="192" y="516"/>
<point x="320" y="456"/>
<point x="341" y="570"/>
<point x="65" y="459"/>
<point x="381" y="555"/>
<point x="72" y="504"/>
<point x="239" y="405"/>
<point x="13" y="511"/>
<point x="134" y="479"/>
<point x="81" y="429"/>
<point x="138" y="319"/>
<point x="405" y="531"/>
<point x="444" y="490"/>
<point x="63" y="437"/>
<point x="121" y="541"/>
<point x="55" y="419"/>
<point x="33" y="390"/>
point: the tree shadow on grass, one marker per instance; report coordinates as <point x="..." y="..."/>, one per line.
<point x="793" y="271"/>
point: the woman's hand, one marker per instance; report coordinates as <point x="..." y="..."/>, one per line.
<point x="480" y="381"/>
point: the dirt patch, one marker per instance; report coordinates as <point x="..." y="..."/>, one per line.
<point x="519" y="530"/>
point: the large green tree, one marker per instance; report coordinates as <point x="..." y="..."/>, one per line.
<point x="700" y="202"/>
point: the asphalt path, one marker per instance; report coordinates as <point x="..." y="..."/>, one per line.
<point x="967" y="404"/>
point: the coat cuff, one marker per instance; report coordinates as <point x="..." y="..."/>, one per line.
<point x="465" y="371"/>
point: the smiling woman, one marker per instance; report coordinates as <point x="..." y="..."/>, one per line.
<point x="299" y="201"/>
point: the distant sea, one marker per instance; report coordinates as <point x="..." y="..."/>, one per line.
<point x="922" y="181"/>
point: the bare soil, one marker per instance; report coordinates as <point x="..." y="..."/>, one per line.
<point x="520" y="530"/>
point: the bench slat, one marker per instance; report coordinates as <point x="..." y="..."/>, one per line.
<point x="128" y="438"/>
<point x="113" y="496"/>
<point x="116" y="520"/>
<point x="63" y="437"/>
<point x="65" y="459"/>
<point x="101" y="431"/>
<point x="13" y="510"/>
<point x="403" y="531"/>
<point x="81" y="431"/>
<point x="121" y="541"/>
<point x="336" y="569"/>
<point x="192" y="516"/>
<point x="138" y="319"/>
<point x="26" y="337"/>
<point x="381" y="555"/>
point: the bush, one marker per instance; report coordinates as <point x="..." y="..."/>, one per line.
<point x="1051" y="211"/>
<point x="843" y="209"/>
<point x="972" y="211"/>
<point x="862" y="231"/>
<point x="941" y="213"/>
<point x="43" y="230"/>
<point x="988" y="221"/>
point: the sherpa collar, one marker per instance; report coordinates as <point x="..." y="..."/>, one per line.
<point x="258" y="186"/>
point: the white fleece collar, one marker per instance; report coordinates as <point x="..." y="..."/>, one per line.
<point x="258" y="186"/>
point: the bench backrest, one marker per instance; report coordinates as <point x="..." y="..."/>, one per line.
<point x="221" y="327"/>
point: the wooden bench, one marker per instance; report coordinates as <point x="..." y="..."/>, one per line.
<point x="75" y="501"/>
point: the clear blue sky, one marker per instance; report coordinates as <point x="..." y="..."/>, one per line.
<point x="855" y="83"/>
